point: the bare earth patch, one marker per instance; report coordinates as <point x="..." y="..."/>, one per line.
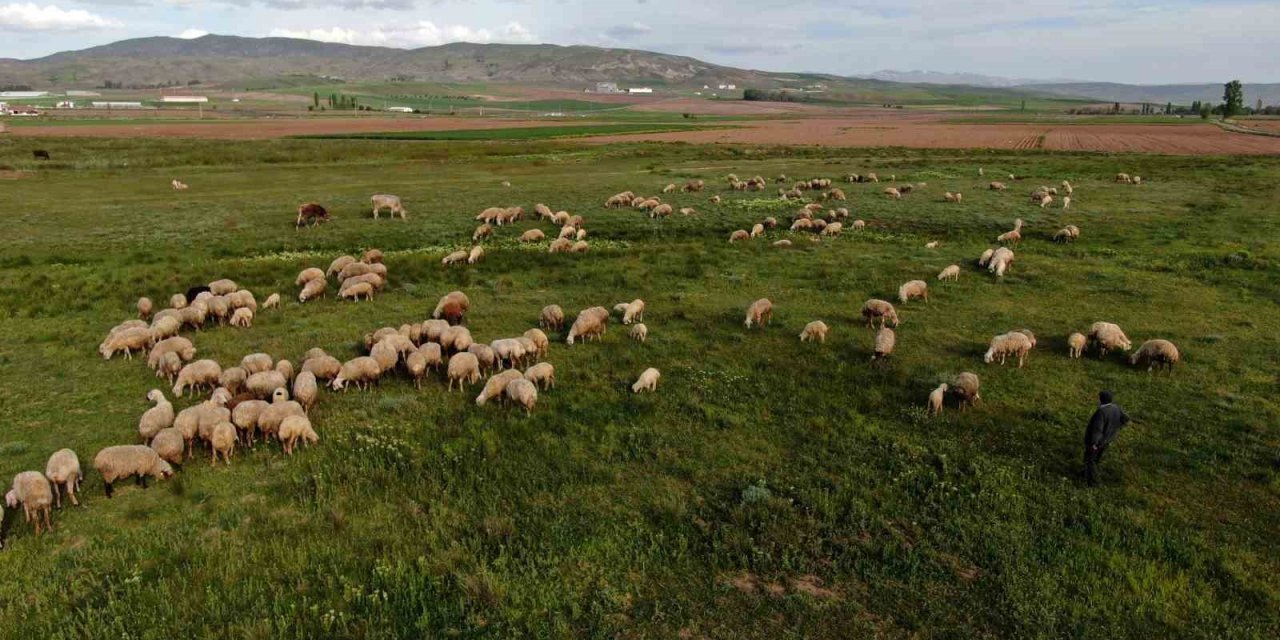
<point x="268" y="128"/>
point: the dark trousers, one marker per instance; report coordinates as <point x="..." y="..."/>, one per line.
<point x="1091" y="459"/>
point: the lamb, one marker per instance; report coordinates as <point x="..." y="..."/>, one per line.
<point x="542" y="373"/>
<point x="242" y="318"/>
<point x="966" y="387"/>
<point x="523" y="393"/>
<point x="639" y="332"/>
<point x="34" y="492"/>
<point x="272" y="302"/>
<point x="257" y="363"/>
<point x="1076" y="343"/>
<point x="815" y="331"/>
<point x="858" y="225"/>
<point x="145" y="307"/>
<point x="913" y="289"/>
<point x="985" y="258"/>
<point x="223" y="441"/>
<point x="533" y="235"/>
<point x="264" y="383"/>
<point x="451" y="307"/>
<point x="169" y="445"/>
<point x="339" y="263"/>
<point x="355" y="291"/>
<point x="876" y="309"/>
<point x="1156" y="353"/>
<point x="1007" y="344"/>
<point x="1014" y="236"/>
<point x="935" y="399"/>
<point x="931" y="245"/>
<point x="950" y="272"/>
<point x="128" y="341"/>
<point x="157" y="418"/>
<point x="648" y="381"/>
<point x="1107" y="336"/>
<point x="893" y="193"/>
<point x="63" y="472"/>
<point x="305" y="390"/>
<point x="885" y="340"/>
<point x="201" y="373"/>
<point x="759" y="313"/>
<point x="590" y="323"/>
<point x="387" y="201"/>
<point x="313" y="289"/>
<point x="1066" y="202"/>
<point x="123" y="461"/>
<point x="296" y="429"/>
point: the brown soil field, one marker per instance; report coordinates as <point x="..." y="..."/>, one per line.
<point x="267" y="128"/>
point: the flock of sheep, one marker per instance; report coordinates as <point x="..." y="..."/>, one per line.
<point x="262" y="398"/>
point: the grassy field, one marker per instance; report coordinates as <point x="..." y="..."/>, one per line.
<point x="513" y="133"/>
<point x="768" y="489"/>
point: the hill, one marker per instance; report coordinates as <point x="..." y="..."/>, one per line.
<point x="1155" y="93"/>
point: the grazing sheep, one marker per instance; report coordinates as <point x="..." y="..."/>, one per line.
<point x="177" y="301"/>
<point x="264" y="383"/>
<point x="648" y="381"/>
<point x="33" y="491"/>
<point x="552" y="317"/>
<point x="997" y="186"/>
<point x="966" y="386"/>
<point x="832" y="229"/>
<point x="935" y="399"/>
<point x="311" y="214"/>
<point x="295" y="429"/>
<point x="313" y="289"/>
<point x="660" y="211"/>
<point x="952" y="197"/>
<point x="416" y="364"/>
<point x="165" y="327"/>
<point x="1007" y="344"/>
<point x="372" y="279"/>
<point x="385" y="354"/>
<point x="335" y="267"/>
<point x="1155" y="353"/>
<point x="201" y="373"/>
<point x="157" y="418"/>
<point x="1014" y="236"/>
<point x="931" y="245"/>
<point x="893" y="193"/>
<point x="522" y="392"/>
<point x="324" y="367"/>
<point x="714" y="199"/>
<point x="815" y="331"/>
<point x="1001" y="259"/>
<point x="1066" y="202"/>
<point x="123" y="461"/>
<point x="387" y="201"/>
<point x="688" y="211"/>
<point x="452" y="307"/>
<point x="306" y="390"/>
<point x="496" y="385"/>
<point x="456" y="338"/>
<point x="170" y="365"/>
<point x="457" y="257"/>
<point x="639" y="332"/>
<point x="1107" y="336"/>
<point x="533" y="235"/>
<point x="483" y="231"/>
<point x="542" y="373"/>
<point x="361" y="268"/>
<point x="590" y="323"/>
<point x="759" y="313"/>
<point x="858" y="225"/>
<point x="913" y="289"/>
<point x="693" y="185"/>
<point x="951" y="272"/>
<point x="1046" y="200"/>
<point x="876" y="309"/>
<point x="355" y="291"/>
<point x="178" y="185"/>
<point x="242" y="318"/>
<point x="1124" y="177"/>
<point x="361" y="371"/>
<point x="985" y="258"/>
<point x="463" y="368"/>
<point x="800" y="224"/>
<point x="579" y="247"/>
<point x="257" y="363"/>
<point x="128" y="341"/>
<point x="285" y="368"/>
<point x="1076" y="343"/>
<point x="223" y="441"/>
<point x="540" y="341"/>
<point x="145" y="307"/>
<point x="169" y="445"/>
<point x="885" y="340"/>
<point x="782" y="243"/>
<point x="309" y="274"/>
<point x="433" y="353"/>
<point x="272" y="302"/>
<point x="63" y="472"/>
<point x="223" y="287"/>
<point x="1069" y="233"/>
<point x="981" y="172"/>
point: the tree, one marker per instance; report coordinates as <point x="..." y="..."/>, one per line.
<point x="1024" y="105"/>
<point x="1232" y="98"/>
<point x="315" y="99"/>
<point x="1258" y="106"/>
<point x="1205" y="110"/>
<point x="1168" y="108"/>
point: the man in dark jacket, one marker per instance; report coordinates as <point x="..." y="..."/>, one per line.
<point x="1104" y="426"/>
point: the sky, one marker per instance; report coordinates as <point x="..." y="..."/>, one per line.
<point x="1134" y="41"/>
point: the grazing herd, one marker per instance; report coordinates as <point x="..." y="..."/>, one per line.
<point x="262" y="398"/>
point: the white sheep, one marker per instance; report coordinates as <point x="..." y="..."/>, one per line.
<point x="885" y="341"/>
<point x="156" y="418"/>
<point x="324" y="367"/>
<point x="306" y="390"/>
<point x="273" y="415"/>
<point x="356" y="291"/>
<point x="307" y="275"/>
<point x="387" y="201"/>
<point x="913" y="289"/>
<point x="222" y="441"/>
<point x="257" y="363"/>
<point x="815" y="331"/>
<point x="951" y="272"/>
<point x="123" y="461"/>
<point x="1107" y="336"/>
<point x="1017" y="343"/>
<point x="935" y="399"/>
<point x="464" y="368"/>
<point x="242" y="318"/>
<point x="63" y="472"/>
<point x="272" y="302"/>
<point x="496" y="385"/>
<point x="295" y="429"/>
<point x="639" y="332"/>
<point x="456" y="338"/>
<point x="170" y="445"/>
<point x="1156" y="353"/>
<point x="966" y="386"/>
<point x="201" y="373"/>
<point x="457" y="257"/>
<point x="313" y="289"/>
<point x="361" y="371"/>
<point x="33" y="491"/>
<point x="542" y="373"/>
<point x="759" y="313"/>
<point x="523" y="393"/>
<point x="1001" y="259"/>
<point x="648" y="381"/>
<point x="265" y="383"/>
<point x="180" y="346"/>
<point x="476" y="254"/>
<point x="592" y="322"/>
<point x="128" y="341"/>
<point x="876" y="309"/>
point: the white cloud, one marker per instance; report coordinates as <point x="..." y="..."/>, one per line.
<point x="422" y="33"/>
<point x="29" y="16"/>
<point x="627" y="31"/>
<point x="192" y="34"/>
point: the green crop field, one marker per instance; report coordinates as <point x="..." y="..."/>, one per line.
<point x="768" y="489"/>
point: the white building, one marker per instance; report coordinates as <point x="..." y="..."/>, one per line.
<point x="66" y="104"/>
<point x="728" y="87"/>
<point x="116" y="105"/>
<point x="400" y="109"/>
<point x="83" y="94"/>
<point x="635" y="90"/>
<point x="607" y="87"/>
<point x="183" y="99"/>
<point x="23" y="94"/>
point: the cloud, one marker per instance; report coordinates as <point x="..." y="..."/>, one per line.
<point x="627" y="31"/>
<point x="32" y="17"/>
<point x="422" y="33"/>
<point x="740" y="49"/>
<point x="192" y="34"/>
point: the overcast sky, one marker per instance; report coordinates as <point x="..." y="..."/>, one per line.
<point x="1136" y="41"/>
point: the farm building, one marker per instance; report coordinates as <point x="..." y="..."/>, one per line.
<point x="640" y="90"/>
<point x="116" y="105"/>
<point x="184" y="99"/>
<point x="607" y="87"/>
<point x="400" y="109"/>
<point x="20" y="110"/>
<point x="19" y="95"/>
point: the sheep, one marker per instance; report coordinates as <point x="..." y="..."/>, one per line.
<point x="953" y="197"/>
<point x="307" y="275"/>
<point x="371" y="279"/>
<point x="145" y="307"/>
<point x="1107" y="336"/>
<point x="1156" y="353"/>
<point x="177" y="301"/>
<point x="272" y="302"/>
<point x="456" y="338"/>
<point x="122" y="461"/>
<point x="223" y="287"/>
<point x="463" y="368"/>
<point x="533" y="235"/>
<point x="169" y="445"/>
<point x="815" y="331"/>
<point x="832" y="229"/>
<point x="950" y="272"/>
<point x="452" y="307"/>
<point x="264" y="383"/>
<point x="416" y="365"/>
<point x="1069" y="233"/>
<point x="885" y="340"/>
<point x="157" y="418"/>
<point x="997" y="186"/>
<point x="63" y="472"/>
<point x="1124" y="178"/>
<point x="858" y="225"/>
<point x="800" y="224"/>
<point x="305" y="390"/>
<point x="310" y="214"/>
<point x="1076" y="343"/>
<point x="275" y="413"/>
<point x="223" y="441"/>
<point x="164" y="328"/>
<point x="385" y="354"/>
<point x="1014" y="236"/>
<point x="1000" y="261"/>
<point x="169" y="367"/>
<point x="201" y="373"/>
<point x="579" y="247"/>
<point x="355" y="291"/>
<point x="1007" y="344"/>
<point x="505" y="350"/>
<point x="1066" y="202"/>
<point x="324" y="367"/>
<point x="981" y="172"/>
<point x="33" y="491"/>
<point x="782" y="243"/>
<point x="688" y="211"/>
<point x="483" y="231"/>
<point x="296" y="429"/>
<point x="714" y="199"/>
<point x="985" y="258"/>
<point x="285" y="368"/>
<point x="337" y="265"/>
<point x="876" y="309"/>
<point x="242" y="318"/>
<point x="313" y="289"/>
<point x="893" y="193"/>
<point x="931" y="245"/>
<point x="496" y="385"/>
<point x="361" y="268"/>
<point x="913" y="289"/>
<point x="551" y="317"/>
<point x="966" y="386"/>
<point x="1046" y="200"/>
<point x="128" y="341"/>
<point x="387" y="201"/>
<point x="639" y="332"/>
<point x="759" y="313"/>
<point x="432" y="353"/>
<point x="590" y="323"/>
<point x="648" y="381"/>
<point x="257" y="363"/>
<point x="522" y="392"/>
<point x="660" y="211"/>
<point x="219" y="308"/>
<point x="178" y="185"/>
<point x="935" y="399"/>
<point x="361" y="371"/>
<point x="836" y="194"/>
<point x="693" y="185"/>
